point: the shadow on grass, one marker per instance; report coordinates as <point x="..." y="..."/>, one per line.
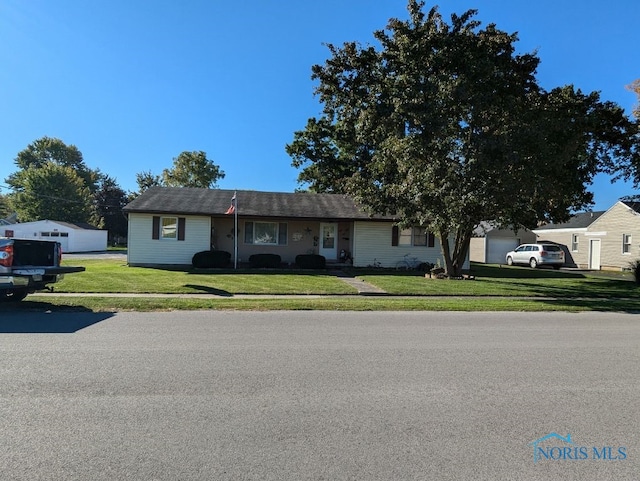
<point x="479" y="270"/>
<point x="507" y="272"/>
<point x="262" y="272"/>
<point x="32" y="317"/>
<point x="597" y="305"/>
<point x="210" y="290"/>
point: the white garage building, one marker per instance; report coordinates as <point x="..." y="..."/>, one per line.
<point x="490" y="244"/>
<point x="72" y="237"/>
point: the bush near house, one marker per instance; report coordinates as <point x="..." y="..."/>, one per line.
<point x="311" y="261"/>
<point x="265" y="260"/>
<point x="635" y="268"/>
<point x="209" y="259"/>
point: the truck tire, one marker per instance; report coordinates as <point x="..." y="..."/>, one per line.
<point x="13" y="295"/>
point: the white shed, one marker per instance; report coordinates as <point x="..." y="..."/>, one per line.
<point x="72" y="237"/>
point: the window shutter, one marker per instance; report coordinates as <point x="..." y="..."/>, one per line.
<point x="181" y="226"/>
<point x="395" y="233"/>
<point x="155" y="233"/>
<point x="282" y="234"/>
<point x="248" y="232"/>
<point x="431" y="239"/>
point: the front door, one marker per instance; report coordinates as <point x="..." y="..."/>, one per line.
<point x="328" y="242"/>
<point x="594" y="254"/>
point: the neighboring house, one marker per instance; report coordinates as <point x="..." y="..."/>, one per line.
<point x="79" y="237"/>
<point x="599" y="240"/>
<point x="168" y="225"/>
<point x="490" y="244"/>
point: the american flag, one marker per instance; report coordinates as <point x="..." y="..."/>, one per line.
<point x="232" y="207"/>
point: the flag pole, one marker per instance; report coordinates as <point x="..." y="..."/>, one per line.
<point x="235" y="233"/>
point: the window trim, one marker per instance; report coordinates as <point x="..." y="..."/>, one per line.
<point x="575" y="242"/>
<point x="627" y="241"/>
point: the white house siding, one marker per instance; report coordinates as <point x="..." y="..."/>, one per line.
<point x="610" y="228"/>
<point x="372" y="246"/>
<point x="143" y="250"/>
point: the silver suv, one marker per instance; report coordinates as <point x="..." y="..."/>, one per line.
<point x="537" y="255"/>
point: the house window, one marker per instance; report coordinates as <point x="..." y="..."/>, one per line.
<point x="265" y="233"/>
<point x="626" y="243"/>
<point x="574" y="243"/>
<point x="169" y="228"/>
<point x="404" y="239"/>
<point x="416" y="236"/>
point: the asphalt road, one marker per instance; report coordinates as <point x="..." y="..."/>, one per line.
<point x="319" y="396"/>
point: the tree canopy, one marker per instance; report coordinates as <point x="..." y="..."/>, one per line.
<point x="53" y="191"/>
<point x="47" y="149"/>
<point x="192" y="169"/>
<point x="53" y="182"/>
<point x="445" y="126"/>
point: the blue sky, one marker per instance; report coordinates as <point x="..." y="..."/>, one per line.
<point x="134" y="83"/>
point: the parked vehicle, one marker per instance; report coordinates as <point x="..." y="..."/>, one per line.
<point x="536" y="255"/>
<point x="27" y="266"/>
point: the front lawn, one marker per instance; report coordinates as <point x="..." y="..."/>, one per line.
<point x="114" y="276"/>
<point x="505" y="281"/>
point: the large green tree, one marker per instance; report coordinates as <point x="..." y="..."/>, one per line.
<point x="192" y="169"/>
<point x="53" y="182"/>
<point x="110" y="199"/>
<point x="46" y="150"/>
<point x="53" y="191"/>
<point x="444" y="125"/>
<point x="4" y="207"/>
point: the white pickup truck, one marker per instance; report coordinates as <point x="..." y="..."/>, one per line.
<point x="27" y="266"/>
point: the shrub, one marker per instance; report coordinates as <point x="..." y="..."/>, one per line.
<point x="425" y="267"/>
<point x="265" y="260"/>
<point x="310" y="261"/>
<point x="208" y="259"/>
<point x="635" y="268"/>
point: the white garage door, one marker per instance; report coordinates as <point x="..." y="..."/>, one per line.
<point x="497" y="249"/>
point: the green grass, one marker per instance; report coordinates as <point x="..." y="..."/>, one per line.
<point x="113" y="276"/>
<point x="494" y="289"/>
<point x="507" y="281"/>
<point x="344" y="303"/>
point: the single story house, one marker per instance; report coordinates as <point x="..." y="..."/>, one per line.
<point x="599" y="240"/>
<point x="79" y="237"/>
<point x="168" y="225"/>
<point x="490" y="243"/>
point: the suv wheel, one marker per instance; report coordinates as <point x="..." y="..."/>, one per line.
<point x="509" y="261"/>
<point x="533" y="263"/>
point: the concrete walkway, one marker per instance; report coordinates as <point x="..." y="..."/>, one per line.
<point x="363" y="288"/>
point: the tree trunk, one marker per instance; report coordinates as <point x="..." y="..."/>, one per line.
<point x="454" y="260"/>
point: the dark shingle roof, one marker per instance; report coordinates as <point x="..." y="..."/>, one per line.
<point x="194" y="201"/>
<point x="581" y="220"/>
